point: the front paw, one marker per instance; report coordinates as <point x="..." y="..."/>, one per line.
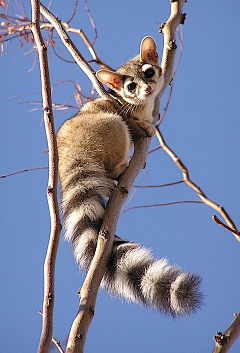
<point x="147" y="127"/>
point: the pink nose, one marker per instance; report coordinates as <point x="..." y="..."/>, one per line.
<point x="148" y="89"/>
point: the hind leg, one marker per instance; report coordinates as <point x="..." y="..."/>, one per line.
<point x="118" y="146"/>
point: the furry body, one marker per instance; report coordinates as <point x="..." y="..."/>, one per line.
<point x="93" y="149"/>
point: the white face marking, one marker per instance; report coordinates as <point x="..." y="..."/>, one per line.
<point x="142" y="87"/>
<point x="145" y="67"/>
<point x="130" y="85"/>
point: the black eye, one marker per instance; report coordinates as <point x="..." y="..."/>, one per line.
<point x="149" y="73"/>
<point x="131" y="86"/>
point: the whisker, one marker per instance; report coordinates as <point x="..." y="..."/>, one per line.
<point x="125" y="108"/>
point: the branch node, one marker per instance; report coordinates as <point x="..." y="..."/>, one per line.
<point x="47" y="111"/>
<point x="171" y="81"/>
<point x="104" y="234"/>
<point x="124" y="190"/>
<point x="220" y="338"/>
<point x="183" y="18"/>
<point x="91" y="311"/>
<point x="79" y="292"/>
<point x="161" y="27"/>
<point x="50" y="190"/>
<point x="79" y="336"/>
<point x="49" y="299"/>
<point x="172" y="45"/>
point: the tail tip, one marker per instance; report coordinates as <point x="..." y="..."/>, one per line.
<point x="186" y="297"/>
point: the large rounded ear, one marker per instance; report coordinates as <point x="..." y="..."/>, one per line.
<point x="110" y="78"/>
<point x="148" y="51"/>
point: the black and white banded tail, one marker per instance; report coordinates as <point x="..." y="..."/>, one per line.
<point x="132" y="272"/>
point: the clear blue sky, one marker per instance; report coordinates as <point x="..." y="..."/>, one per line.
<point x="201" y="126"/>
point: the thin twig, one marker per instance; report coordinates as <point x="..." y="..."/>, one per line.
<point x="26" y="28"/>
<point x="217" y="220"/>
<point x="154" y="149"/>
<point x="158" y="186"/>
<point x="193" y="186"/>
<point x="160" y="204"/>
<point x="74" y="11"/>
<point x="49" y="265"/>
<point x="91" y="50"/>
<point x="74" y="51"/>
<point x="91" y="20"/>
<point x="21" y="171"/>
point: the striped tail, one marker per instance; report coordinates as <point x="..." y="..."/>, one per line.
<point x="132" y="272"/>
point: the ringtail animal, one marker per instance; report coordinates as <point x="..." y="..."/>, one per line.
<point x="93" y="148"/>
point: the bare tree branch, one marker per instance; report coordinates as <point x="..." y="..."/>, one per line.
<point x="194" y="187"/>
<point x="169" y="49"/>
<point x="21" y="171"/>
<point x="158" y="186"/>
<point x="161" y="204"/>
<point x="21" y="28"/>
<point x="91" y="49"/>
<point x="81" y="33"/>
<point x="224" y="341"/>
<point x="74" y="51"/>
<point x="49" y="265"/>
<point x="74" y="11"/>
<point x="171" y="83"/>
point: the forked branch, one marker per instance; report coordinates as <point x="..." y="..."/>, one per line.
<point x="195" y="188"/>
<point x="73" y="50"/>
<point x="54" y="340"/>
